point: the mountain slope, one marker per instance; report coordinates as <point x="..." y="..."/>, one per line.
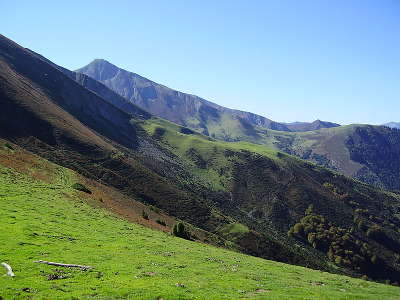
<point x="99" y="89"/>
<point x="50" y="114"/>
<point x="269" y="190"/>
<point x="365" y="152"/>
<point x="250" y="197"/>
<point x="184" y="109"/>
<point x="115" y="150"/>
<point x="128" y="260"/>
<point x="331" y="146"/>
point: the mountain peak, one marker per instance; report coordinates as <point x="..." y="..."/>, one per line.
<point x="100" y="61"/>
<point x="102" y="68"/>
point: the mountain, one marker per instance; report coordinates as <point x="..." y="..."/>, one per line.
<point x="304" y="126"/>
<point x="98" y="88"/>
<point x="393" y="125"/>
<point x="49" y="114"/>
<point x="368" y="153"/>
<point x="185" y="109"/>
<point x="241" y="196"/>
<point x="325" y="143"/>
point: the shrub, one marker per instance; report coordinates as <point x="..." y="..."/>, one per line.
<point x="161" y="222"/>
<point x="145" y="215"/>
<point x="81" y="187"/>
<point x="311" y="238"/>
<point x="155" y="209"/>
<point x="354" y="204"/>
<point x="309" y="210"/>
<point x="8" y="146"/>
<point x="159" y="132"/>
<point x="180" y="230"/>
<point x="185" y="130"/>
<point x="116" y="154"/>
<point x="374" y="259"/>
<point x="280" y="155"/>
<point x="291" y="232"/>
<point x="375" y="232"/>
<point x="298" y="229"/>
<point x="329" y="186"/>
<point x="338" y="260"/>
<point x="361" y="225"/>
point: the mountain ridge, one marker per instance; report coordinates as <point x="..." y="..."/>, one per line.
<point x="143" y="91"/>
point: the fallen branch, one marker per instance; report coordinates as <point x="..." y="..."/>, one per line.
<point x="63" y="265"/>
<point x="9" y="269"/>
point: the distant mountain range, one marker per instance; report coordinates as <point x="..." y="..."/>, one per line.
<point x="393" y="125"/>
<point x="185" y="109"/>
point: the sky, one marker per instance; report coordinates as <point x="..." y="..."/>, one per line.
<point x="297" y="60"/>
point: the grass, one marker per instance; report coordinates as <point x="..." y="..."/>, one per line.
<point x="50" y="221"/>
<point x="233" y="231"/>
<point x="210" y="149"/>
<point x="327" y="142"/>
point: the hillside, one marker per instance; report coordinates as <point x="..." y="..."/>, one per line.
<point x="270" y="189"/>
<point x="325" y="143"/>
<point x="368" y="153"/>
<point x="55" y="110"/>
<point x="238" y="195"/>
<point x="129" y="261"/>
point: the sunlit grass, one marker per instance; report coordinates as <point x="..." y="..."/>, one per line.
<point x="49" y="221"/>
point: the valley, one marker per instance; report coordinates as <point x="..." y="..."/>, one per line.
<point x="89" y="177"/>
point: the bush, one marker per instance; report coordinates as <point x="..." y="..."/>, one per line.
<point x="8" y="146"/>
<point x="159" y="132"/>
<point x="81" y="187"/>
<point x="298" y="229"/>
<point x="291" y="232"/>
<point x="309" y="210"/>
<point x="179" y="230"/>
<point x="161" y="222"/>
<point x="145" y="215"/>
<point x="185" y="130"/>
<point x="280" y="155"/>
<point x="155" y="209"/>
<point x="361" y="225"/>
<point x="376" y="232"/>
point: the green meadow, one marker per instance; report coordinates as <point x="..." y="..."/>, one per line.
<point x="52" y="222"/>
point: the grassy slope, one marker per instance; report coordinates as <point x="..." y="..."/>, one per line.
<point x="293" y="185"/>
<point x="179" y="143"/>
<point x="327" y="142"/>
<point x="207" y="147"/>
<point x="49" y="220"/>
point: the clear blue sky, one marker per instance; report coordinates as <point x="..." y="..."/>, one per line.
<point x="336" y="60"/>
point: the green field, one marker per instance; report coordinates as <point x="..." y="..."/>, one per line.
<point x="50" y="221"/>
